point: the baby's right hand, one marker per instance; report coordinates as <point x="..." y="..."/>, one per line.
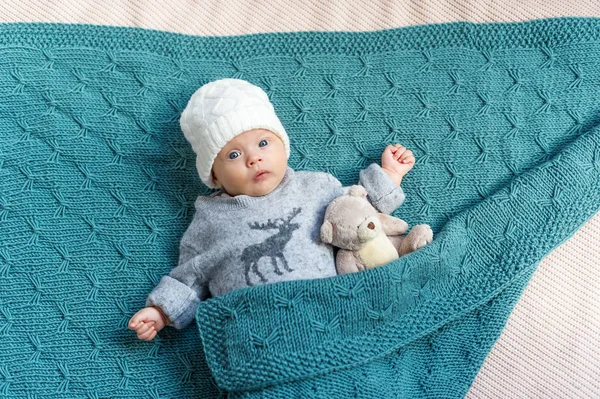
<point x="147" y="322"/>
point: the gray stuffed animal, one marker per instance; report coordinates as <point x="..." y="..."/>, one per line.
<point x="367" y="238"/>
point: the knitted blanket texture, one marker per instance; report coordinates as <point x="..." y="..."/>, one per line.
<point x="97" y="185"/>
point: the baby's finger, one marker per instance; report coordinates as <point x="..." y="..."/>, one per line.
<point x="144" y="327"/>
<point x="406" y="154"/>
<point x="151" y="337"/>
<point x="137" y="318"/>
<point x="146" y="334"/>
<point x="398" y="154"/>
<point x="389" y="149"/>
<point x="133" y="322"/>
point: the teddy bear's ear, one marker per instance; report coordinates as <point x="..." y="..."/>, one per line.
<point x="327" y="232"/>
<point x="357" y="191"/>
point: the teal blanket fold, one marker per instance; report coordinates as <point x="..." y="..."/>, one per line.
<point x="97" y="185"/>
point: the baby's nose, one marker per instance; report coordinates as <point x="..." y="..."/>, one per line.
<point x="253" y="159"/>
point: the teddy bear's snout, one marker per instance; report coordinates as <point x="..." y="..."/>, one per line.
<point x="368" y="229"/>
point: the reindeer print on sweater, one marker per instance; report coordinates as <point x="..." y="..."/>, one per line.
<point x="272" y="247"/>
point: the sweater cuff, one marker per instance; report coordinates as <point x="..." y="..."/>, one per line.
<point x="382" y="190"/>
<point x="177" y="301"/>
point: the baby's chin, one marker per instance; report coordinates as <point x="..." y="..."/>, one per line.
<point x="264" y="186"/>
<point x="260" y="191"/>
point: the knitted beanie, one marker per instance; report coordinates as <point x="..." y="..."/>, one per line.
<point x="220" y="110"/>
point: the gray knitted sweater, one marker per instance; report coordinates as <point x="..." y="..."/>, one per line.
<point x="236" y="242"/>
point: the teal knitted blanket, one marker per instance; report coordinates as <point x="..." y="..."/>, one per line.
<point x="97" y="185"/>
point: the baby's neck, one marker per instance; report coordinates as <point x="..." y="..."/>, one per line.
<point x="226" y="194"/>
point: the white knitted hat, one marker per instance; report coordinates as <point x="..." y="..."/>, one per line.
<point x="221" y="110"/>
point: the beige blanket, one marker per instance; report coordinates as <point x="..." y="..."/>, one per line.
<point x="550" y="347"/>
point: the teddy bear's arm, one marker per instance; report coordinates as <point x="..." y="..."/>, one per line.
<point x="392" y="226"/>
<point x="346" y="262"/>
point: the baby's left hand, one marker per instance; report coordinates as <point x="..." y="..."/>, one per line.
<point x="396" y="160"/>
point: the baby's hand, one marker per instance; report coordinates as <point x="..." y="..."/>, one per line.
<point x="147" y="322"/>
<point x="396" y="161"/>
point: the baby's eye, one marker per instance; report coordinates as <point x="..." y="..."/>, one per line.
<point x="233" y="154"/>
<point x="263" y="141"/>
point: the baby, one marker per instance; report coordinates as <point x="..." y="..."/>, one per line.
<point x="263" y="224"/>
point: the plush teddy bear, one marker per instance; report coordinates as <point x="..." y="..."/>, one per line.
<point x="367" y="238"/>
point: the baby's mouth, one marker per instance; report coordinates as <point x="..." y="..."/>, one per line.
<point x="261" y="174"/>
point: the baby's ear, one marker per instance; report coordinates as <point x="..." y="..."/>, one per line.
<point x="214" y="178"/>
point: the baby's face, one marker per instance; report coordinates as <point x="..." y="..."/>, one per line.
<point x="236" y="165"/>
